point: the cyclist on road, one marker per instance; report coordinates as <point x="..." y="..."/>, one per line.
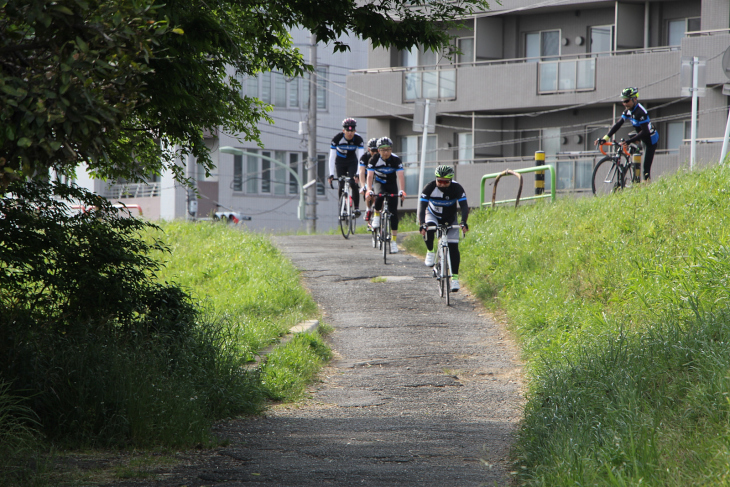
<point x="345" y="150"/>
<point x="363" y="168"/>
<point x="385" y="175"/>
<point x="639" y="118"/>
<point x="437" y="205"/>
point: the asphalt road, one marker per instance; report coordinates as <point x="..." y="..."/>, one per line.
<point x="419" y="394"/>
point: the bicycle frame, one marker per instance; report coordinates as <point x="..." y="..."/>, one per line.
<point x="621" y="164"/>
<point x="384" y="232"/>
<point x="442" y="269"/>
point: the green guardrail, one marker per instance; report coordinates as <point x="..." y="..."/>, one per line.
<point x="547" y="167"/>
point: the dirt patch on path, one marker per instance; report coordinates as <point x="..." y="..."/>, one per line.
<point x="419" y="394"/>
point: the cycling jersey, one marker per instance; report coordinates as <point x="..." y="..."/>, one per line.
<point x="385" y="171"/>
<point x="441" y="202"/>
<point x="346" y="152"/>
<point x="639" y="118"/>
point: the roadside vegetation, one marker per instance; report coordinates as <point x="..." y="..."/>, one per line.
<point x="115" y="333"/>
<point x="621" y="306"/>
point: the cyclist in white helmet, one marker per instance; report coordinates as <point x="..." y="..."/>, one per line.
<point x="437" y="205"/>
<point x="385" y="176"/>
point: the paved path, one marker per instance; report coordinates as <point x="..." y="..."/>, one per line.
<point x="419" y="394"/>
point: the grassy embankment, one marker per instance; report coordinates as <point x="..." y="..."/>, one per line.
<point x="621" y="306"/>
<point x="243" y="281"/>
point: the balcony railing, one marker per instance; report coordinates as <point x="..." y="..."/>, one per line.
<point x="567" y="75"/>
<point x="132" y="190"/>
<point x="432" y="82"/>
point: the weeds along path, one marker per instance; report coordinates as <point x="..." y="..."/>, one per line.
<point x="418" y="394"/>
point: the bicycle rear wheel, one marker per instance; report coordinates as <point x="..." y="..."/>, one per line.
<point x="385" y="223"/>
<point x="606" y="177"/>
<point x="345" y="215"/>
<point x="437" y="274"/>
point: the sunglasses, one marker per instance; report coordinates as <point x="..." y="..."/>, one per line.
<point x="625" y="101"/>
<point x="443" y="181"/>
<point x="350" y="129"/>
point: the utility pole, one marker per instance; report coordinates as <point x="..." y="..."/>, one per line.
<point x="311" y="211"/>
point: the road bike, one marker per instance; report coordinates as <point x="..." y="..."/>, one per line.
<point x="616" y="171"/>
<point x="442" y="266"/>
<point x="385" y="233"/>
<point x="346" y="214"/>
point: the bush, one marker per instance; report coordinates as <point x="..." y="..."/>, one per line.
<point x="102" y="352"/>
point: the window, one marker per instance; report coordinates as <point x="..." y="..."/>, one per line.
<point x="293" y="92"/>
<point x="466" y="46"/>
<point x="279" y="90"/>
<point x="542" y="46"/>
<point x="601" y="39"/>
<point x="321" y="172"/>
<point x="678" y="28"/>
<point x="294" y="165"/>
<point x="237" y="173"/>
<point x="252" y="173"/>
<point x="416" y="57"/>
<point x="321" y="89"/>
<point x="252" y="87"/>
<point x="410" y="154"/>
<point x="677" y="132"/>
<point x="280" y="173"/>
<point x="266" y="173"/>
<point x="466" y="148"/>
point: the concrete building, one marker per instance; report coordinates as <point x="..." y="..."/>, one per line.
<point x="547" y="76"/>
<point x="251" y="186"/>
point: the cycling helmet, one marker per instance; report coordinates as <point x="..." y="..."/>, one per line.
<point x="384" y="142"/>
<point x="349" y="122"/>
<point x="629" y="92"/>
<point x="373" y="143"/>
<point x="444" y="172"/>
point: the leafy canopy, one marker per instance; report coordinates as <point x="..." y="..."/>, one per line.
<point x="127" y="86"/>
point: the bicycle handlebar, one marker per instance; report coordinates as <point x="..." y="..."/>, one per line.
<point x="613" y="143"/>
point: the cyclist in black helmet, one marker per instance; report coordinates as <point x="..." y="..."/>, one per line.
<point x="345" y="150"/>
<point x="639" y="118"/>
<point x="362" y="169"/>
<point x="437" y="205"/>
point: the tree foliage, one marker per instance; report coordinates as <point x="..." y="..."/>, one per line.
<point x="126" y="86"/>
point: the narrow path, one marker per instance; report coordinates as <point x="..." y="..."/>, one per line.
<point x="418" y="395"/>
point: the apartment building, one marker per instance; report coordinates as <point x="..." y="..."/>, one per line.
<point x="259" y="187"/>
<point x="547" y="76"/>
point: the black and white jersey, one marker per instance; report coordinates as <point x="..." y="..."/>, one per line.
<point x="639" y="117"/>
<point x="345" y="152"/>
<point x="441" y="202"/>
<point x="385" y="171"/>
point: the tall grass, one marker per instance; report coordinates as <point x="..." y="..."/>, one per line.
<point x="621" y="306"/>
<point x="239" y="277"/>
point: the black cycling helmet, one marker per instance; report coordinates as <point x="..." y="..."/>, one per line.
<point x="629" y="92"/>
<point x="373" y="143"/>
<point x="349" y="122"/>
<point x="384" y="142"/>
<point x="444" y="172"/>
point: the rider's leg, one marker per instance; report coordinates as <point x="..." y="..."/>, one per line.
<point x="354" y="187"/>
<point x="393" y="203"/>
<point x="648" y="159"/>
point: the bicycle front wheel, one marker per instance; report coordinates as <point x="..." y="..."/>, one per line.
<point x="345" y="215"/>
<point x="606" y="177"/>
<point x="446" y="276"/>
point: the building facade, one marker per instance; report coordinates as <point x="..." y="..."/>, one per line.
<point x="547" y="76"/>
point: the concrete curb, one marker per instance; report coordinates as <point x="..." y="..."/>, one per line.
<point x="307" y="326"/>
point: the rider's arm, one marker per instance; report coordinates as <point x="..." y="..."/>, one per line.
<point x="333" y="157"/>
<point x="615" y="128"/>
<point x="464" y="210"/>
<point x="401" y="180"/>
<point x="371" y="175"/>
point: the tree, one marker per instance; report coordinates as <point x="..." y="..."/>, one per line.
<point x="116" y="84"/>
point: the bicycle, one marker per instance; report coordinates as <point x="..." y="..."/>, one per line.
<point x="442" y="266"/>
<point x="385" y="233"/>
<point x="613" y="172"/>
<point x="346" y="215"/>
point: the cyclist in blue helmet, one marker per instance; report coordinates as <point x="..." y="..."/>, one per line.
<point x="364" y="160"/>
